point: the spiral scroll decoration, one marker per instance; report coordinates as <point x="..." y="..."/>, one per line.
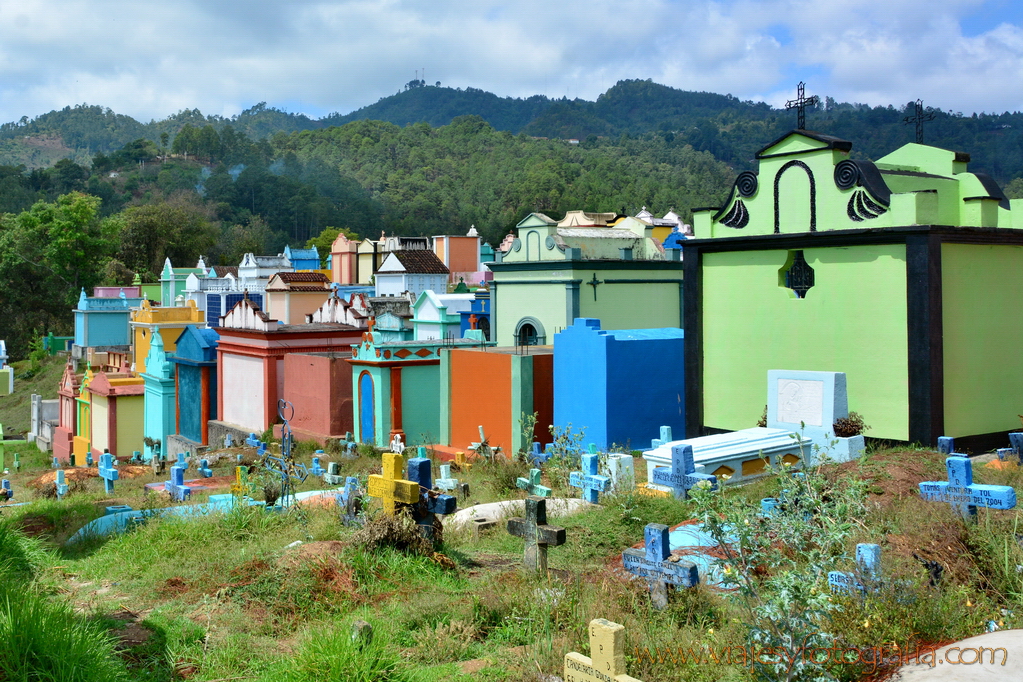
<point x="847" y="175"/>
<point x="746" y="183"/>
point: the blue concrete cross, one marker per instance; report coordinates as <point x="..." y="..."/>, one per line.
<point x="430" y="502"/>
<point x="665" y="438"/>
<point x="204" y="468"/>
<point x="108" y="472"/>
<point x="946" y="445"/>
<point x="348" y="499"/>
<point x="5" y="490"/>
<point x="182" y="462"/>
<point x="532" y="484"/>
<point x="963" y="494"/>
<point x="538" y="456"/>
<point x="652" y="563"/>
<point x="445" y="482"/>
<point x="61" y="485"/>
<point x="56" y="463"/>
<point x="316" y="469"/>
<point x="682" y="475"/>
<point x="1016" y="441"/>
<point x="88" y="459"/>
<point x="587" y="479"/>
<point x="867" y="575"/>
<point x="176" y="486"/>
<point x="252" y="441"/>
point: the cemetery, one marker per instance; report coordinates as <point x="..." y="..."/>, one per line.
<point x="521" y="467"/>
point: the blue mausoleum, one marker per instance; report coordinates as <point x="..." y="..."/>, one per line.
<point x="622" y="385"/>
<point x="103" y="321"/>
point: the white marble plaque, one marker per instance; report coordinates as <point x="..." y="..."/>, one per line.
<point x="801" y="400"/>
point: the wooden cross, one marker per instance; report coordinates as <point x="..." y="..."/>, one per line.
<point x="607" y="648"/>
<point x="963" y="494"/>
<point x="537" y="534"/>
<point x="652" y="563"/>
<point x="587" y="479"/>
<point x="594" y="283"/>
<point x="800" y="103"/>
<point x="868" y="571"/>
<point x="918" y="118"/>
<point x="389" y="487"/>
<point x="532" y="484"/>
<point x="682" y="475"/>
<point x="108" y="472"/>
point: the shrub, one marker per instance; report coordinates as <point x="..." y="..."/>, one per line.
<point x="853" y="425"/>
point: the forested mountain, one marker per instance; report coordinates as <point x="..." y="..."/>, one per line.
<point x="731" y="129"/>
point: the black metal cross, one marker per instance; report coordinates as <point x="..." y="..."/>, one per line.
<point x="800" y="103"/>
<point x="593" y="283"/>
<point x="918" y="118"/>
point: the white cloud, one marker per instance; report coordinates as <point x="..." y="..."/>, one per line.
<point x="149" y="60"/>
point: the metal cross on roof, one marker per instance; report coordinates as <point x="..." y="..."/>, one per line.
<point x="800" y="103"/>
<point x="919" y="117"/>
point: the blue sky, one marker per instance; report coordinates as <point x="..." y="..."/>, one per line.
<point x="317" y="57"/>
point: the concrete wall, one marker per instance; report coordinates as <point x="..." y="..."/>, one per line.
<point x="983" y="335"/>
<point x="853" y="320"/>
<point x="100" y="423"/>
<point x="129" y="424"/>
<point x="243" y="392"/>
<point x="319" y="385"/>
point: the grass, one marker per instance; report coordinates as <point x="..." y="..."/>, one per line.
<point x="223" y="596"/>
<point x="15" y="410"/>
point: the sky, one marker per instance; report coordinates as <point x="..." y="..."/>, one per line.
<point x="317" y="57"/>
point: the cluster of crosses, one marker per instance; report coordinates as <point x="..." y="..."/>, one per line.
<point x="415" y="491"/>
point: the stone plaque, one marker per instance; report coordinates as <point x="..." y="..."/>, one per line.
<point x="801" y="400"/>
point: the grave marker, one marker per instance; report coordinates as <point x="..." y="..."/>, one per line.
<point x="136" y="457"/>
<point x="17" y="462"/>
<point x="389" y="488"/>
<point x="176" y="485"/>
<point x="316" y="469"/>
<point x="462" y="461"/>
<point x="397" y="445"/>
<point x="1016" y="441"/>
<point x="963" y="494"/>
<point x="946" y="445"/>
<point x="88" y="459"/>
<point x="350" y="501"/>
<point x="108" y="472"/>
<point x="61" y="485"/>
<point x="431" y="503"/>
<point x="6" y="493"/>
<point x="241" y="486"/>
<point x="228" y="440"/>
<point x="682" y="475"/>
<point x="3" y="464"/>
<point x="663" y="440"/>
<point x="204" y="468"/>
<point x="252" y="441"/>
<point x="867" y="575"/>
<point x="56" y="463"/>
<point x="333" y="475"/>
<point x="606" y="662"/>
<point x="652" y="563"/>
<point x="532" y="484"/>
<point x="445" y="482"/>
<point x="588" y="479"/>
<point x="537" y="534"/>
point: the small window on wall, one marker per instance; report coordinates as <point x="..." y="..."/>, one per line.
<point x="796" y="275"/>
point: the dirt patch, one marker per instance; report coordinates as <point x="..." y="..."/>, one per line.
<point x="492" y="562"/>
<point x="35" y="525"/>
<point x="73" y="474"/>
<point x="892" y="476"/>
<point x="172" y="587"/>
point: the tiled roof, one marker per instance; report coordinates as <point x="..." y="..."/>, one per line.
<point x="290" y="277"/>
<point x="224" y="270"/>
<point x="419" y="262"/>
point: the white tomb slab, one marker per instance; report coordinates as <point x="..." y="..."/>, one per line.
<point x="739" y="454"/>
<point x="810" y="403"/>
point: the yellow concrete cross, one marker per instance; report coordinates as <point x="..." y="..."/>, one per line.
<point x="390" y="487"/>
<point x="463" y="463"/>
<point x="607" y="647"/>
<point x="241" y="486"/>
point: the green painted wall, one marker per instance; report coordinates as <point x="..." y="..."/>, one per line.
<point x="420" y="403"/>
<point x="853" y="320"/>
<point x="983" y="337"/>
<point x="546" y="302"/>
<point x="632" y="306"/>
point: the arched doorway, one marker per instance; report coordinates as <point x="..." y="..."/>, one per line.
<point x="367" y="409"/>
<point x="529" y="332"/>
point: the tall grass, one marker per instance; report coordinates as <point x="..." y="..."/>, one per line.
<point x="42" y="638"/>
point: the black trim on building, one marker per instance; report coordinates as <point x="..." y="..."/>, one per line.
<point x="692" y="286"/>
<point x="924" y="331"/>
